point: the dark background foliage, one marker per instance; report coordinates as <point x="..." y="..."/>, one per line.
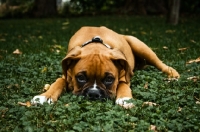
<point x="48" y="8"/>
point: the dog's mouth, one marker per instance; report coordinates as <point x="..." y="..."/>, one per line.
<point x="95" y="94"/>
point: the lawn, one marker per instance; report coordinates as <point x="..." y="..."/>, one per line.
<point x="43" y="43"/>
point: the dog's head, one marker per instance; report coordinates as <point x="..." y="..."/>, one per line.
<point x="95" y="71"/>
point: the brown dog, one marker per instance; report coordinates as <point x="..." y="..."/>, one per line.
<point x="99" y="65"/>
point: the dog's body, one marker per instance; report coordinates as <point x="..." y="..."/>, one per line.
<point x="100" y="63"/>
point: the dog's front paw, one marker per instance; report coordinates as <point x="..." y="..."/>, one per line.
<point x="40" y="99"/>
<point x="123" y="102"/>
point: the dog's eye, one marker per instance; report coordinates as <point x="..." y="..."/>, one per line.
<point x="108" y="80"/>
<point x="81" y="78"/>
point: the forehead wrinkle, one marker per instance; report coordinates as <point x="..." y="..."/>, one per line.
<point x="95" y="65"/>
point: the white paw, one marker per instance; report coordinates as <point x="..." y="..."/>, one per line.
<point x="41" y="100"/>
<point x="123" y="102"/>
<point x="170" y="79"/>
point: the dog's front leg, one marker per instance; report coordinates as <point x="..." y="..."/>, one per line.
<point x="124" y="94"/>
<point x="52" y="94"/>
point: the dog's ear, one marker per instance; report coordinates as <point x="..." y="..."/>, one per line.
<point x="118" y="57"/>
<point x="70" y="60"/>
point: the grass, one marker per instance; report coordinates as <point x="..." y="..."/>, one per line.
<point x="23" y="76"/>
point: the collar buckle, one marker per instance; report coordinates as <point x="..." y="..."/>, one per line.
<point x="96" y="39"/>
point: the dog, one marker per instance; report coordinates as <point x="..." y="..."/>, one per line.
<point x="99" y="65"/>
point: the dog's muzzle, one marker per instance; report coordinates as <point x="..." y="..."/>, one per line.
<point x="94" y="94"/>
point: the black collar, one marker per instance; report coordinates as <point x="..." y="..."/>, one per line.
<point x="96" y="39"/>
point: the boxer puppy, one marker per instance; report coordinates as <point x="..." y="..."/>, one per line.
<point x="99" y="65"/>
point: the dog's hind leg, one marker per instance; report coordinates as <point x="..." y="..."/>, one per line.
<point x="144" y="52"/>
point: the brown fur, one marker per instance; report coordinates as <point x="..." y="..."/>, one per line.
<point x="127" y="52"/>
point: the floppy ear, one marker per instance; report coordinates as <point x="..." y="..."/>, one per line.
<point x="71" y="58"/>
<point x="121" y="60"/>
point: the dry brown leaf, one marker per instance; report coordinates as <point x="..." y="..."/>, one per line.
<point x="27" y="104"/>
<point x="143" y="33"/>
<point x="3" y="112"/>
<point x="146" y="85"/>
<point x="13" y="85"/>
<point x="165" y="47"/>
<point x="46" y="87"/>
<point x="182" y="49"/>
<point x="179" y="109"/>
<point x="56" y="46"/>
<point x="149" y="103"/>
<point x="65" y="23"/>
<point x="44" y="70"/>
<point x="194" y="78"/>
<point x="193" y="41"/>
<point x="198" y="102"/>
<point x="64" y="27"/>
<point x="153" y="128"/>
<point x="17" y="52"/>
<point x="40" y="37"/>
<point x="170" y="31"/>
<point x="3" y="40"/>
<point x="192" y="61"/>
<point x="58" y="51"/>
<point x="26" y="41"/>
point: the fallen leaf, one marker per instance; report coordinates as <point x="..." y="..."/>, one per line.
<point x="170" y="31"/>
<point x="3" y="51"/>
<point x="26" y="41"/>
<point x="64" y="27"/>
<point x="198" y="102"/>
<point x="58" y="51"/>
<point x="3" y="112"/>
<point x="133" y="32"/>
<point x="146" y="85"/>
<point x="182" y="49"/>
<point x="179" y="109"/>
<point x="17" y="52"/>
<point x="27" y="104"/>
<point x="153" y="128"/>
<point x="56" y="46"/>
<point x="165" y="47"/>
<point x="3" y="40"/>
<point x="66" y="105"/>
<point x="13" y="85"/>
<point x="194" y="78"/>
<point x="149" y="103"/>
<point x="192" y="61"/>
<point x="65" y="23"/>
<point x="193" y="41"/>
<point x="142" y="32"/>
<point x="40" y="37"/>
<point x="46" y="87"/>
<point x="44" y="70"/>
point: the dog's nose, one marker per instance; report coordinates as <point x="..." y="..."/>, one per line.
<point x="93" y="94"/>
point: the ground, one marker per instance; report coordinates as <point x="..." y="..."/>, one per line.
<point x="41" y="44"/>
